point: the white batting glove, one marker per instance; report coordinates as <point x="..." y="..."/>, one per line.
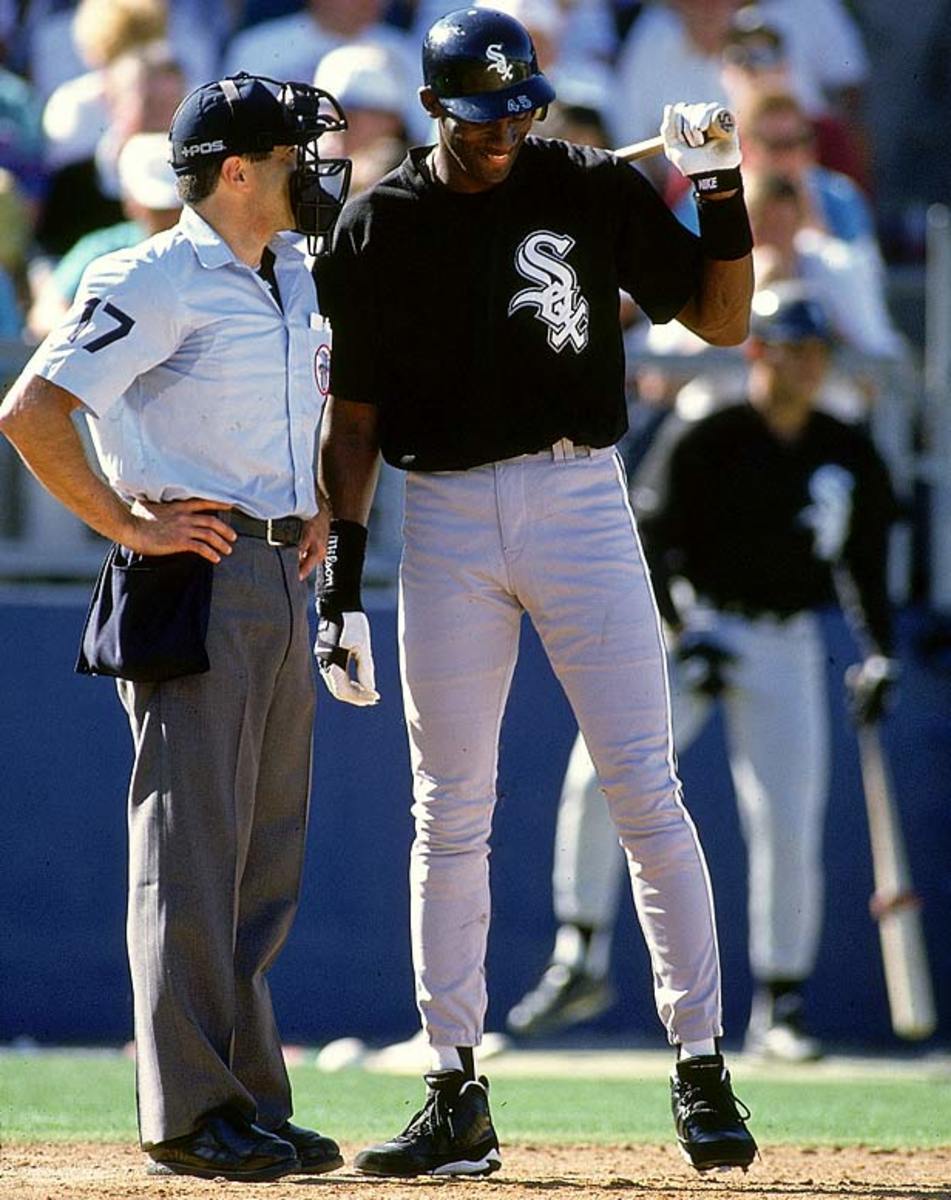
<point x="702" y="143"/>
<point x="340" y="644"/>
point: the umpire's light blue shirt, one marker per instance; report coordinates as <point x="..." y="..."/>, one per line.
<point x="194" y="381"/>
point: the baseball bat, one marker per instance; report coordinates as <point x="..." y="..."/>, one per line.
<point x="721" y="126"/>
<point x="894" y="904"/>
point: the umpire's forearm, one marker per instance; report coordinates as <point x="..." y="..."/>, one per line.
<point x="349" y="458"/>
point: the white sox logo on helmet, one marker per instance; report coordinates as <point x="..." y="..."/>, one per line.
<point x="498" y="61"/>
<point x="557" y="299"/>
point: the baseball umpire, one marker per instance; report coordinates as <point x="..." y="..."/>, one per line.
<point x="492" y="374"/>
<point x="771" y="511"/>
<point x="193" y="358"/>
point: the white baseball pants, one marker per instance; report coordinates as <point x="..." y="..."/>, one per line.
<point x="776" y="720"/>
<point x="553" y="537"/>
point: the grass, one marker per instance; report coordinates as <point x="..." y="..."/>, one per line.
<point x="90" y="1097"/>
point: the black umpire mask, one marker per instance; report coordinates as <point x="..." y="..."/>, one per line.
<point x="319" y="186"/>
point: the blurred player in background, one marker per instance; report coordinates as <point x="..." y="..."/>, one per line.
<point x="768" y="511"/>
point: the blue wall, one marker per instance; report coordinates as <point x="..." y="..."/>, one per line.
<point x="65" y="755"/>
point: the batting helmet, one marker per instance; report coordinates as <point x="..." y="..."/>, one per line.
<point x="481" y="64"/>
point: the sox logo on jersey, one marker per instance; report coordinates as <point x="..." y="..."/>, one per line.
<point x="557" y="300"/>
<point x="829" y="516"/>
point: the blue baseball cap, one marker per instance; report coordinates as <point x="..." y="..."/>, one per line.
<point x="236" y="115"/>
<point x="788" y="315"/>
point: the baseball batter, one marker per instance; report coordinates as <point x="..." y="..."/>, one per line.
<point x="494" y="377"/>
<point x="759" y="507"/>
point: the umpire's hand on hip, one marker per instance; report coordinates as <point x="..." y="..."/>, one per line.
<point x="176" y="526"/>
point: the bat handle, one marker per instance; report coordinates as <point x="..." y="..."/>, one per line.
<point x="722" y="126"/>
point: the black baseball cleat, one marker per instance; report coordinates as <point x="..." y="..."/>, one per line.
<point x="226" y="1146"/>
<point x="710" y="1120"/>
<point x="316" y="1152"/>
<point x="563" y="996"/>
<point x="451" y="1134"/>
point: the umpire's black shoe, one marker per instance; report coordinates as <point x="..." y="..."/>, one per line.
<point x="317" y="1153"/>
<point x="225" y="1147"/>
<point x="710" y="1121"/>
<point x="452" y="1133"/>
<point x="563" y="996"/>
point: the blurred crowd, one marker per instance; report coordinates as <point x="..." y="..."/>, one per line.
<point x="80" y="79"/>
<point x="87" y="89"/>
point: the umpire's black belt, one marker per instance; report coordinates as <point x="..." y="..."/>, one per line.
<point x="276" y="531"/>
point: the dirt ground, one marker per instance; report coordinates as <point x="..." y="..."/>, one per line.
<point x="108" y="1172"/>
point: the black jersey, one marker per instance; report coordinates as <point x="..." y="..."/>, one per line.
<point x="758" y="524"/>
<point x="486" y="326"/>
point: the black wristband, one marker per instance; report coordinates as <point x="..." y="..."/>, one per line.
<point x="338" y="581"/>
<point x="725" y="180"/>
<point x="725" y="232"/>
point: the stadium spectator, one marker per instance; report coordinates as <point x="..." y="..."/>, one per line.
<point x="15" y="233"/>
<point x="21" y="138"/>
<point x="673" y="50"/>
<point x="51" y="48"/>
<point x="829" y="67"/>
<point x="151" y="203"/>
<point x="756" y="62"/>
<point x="367" y="80"/>
<point x="141" y="90"/>
<point x="842" y="278"/>
<point x="291" y="47"/>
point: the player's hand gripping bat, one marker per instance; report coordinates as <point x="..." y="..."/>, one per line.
<point x="894" y="904"/>
<point x="722" y="125"/>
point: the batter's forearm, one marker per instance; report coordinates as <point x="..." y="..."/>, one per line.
<point x="719" y="312"/>
<point x="35" y="417"/>
<point x="349" y="459"/>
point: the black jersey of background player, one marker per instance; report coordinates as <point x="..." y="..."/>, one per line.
<point x="486" y="325"/>
<point x="757" y="524"/>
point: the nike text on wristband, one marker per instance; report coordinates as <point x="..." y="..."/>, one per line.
<point x="725" y="232"/>
<point x="338" y="581"/>
<point x="725" y="180"/>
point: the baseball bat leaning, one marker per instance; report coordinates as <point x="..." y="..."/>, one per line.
<point x="894" y="904"/>
<point x="721" y="126"/>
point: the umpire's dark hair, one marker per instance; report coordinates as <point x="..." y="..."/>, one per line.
<point x="198" y="182"/>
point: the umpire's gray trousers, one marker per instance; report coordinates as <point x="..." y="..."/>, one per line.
<point x="217" y="825"/>
<point x="555" y="539"/>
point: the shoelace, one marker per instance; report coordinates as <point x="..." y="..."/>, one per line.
<point x="428" y="1119"/>
<point x="698" y="1102"/>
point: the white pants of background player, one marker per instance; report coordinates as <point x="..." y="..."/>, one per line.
<point x="552" y="535"/>
<point x="776" y="721"/>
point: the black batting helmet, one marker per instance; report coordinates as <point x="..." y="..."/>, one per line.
<point x="481" y="65"/>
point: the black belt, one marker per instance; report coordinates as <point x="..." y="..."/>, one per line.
<point x="276" y="531"/>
